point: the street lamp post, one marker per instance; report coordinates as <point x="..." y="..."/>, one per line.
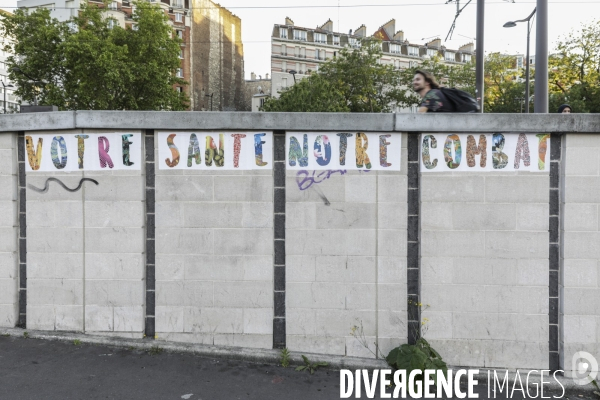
<point x="293" y="72"/>
<point x="211" y="97"/>
<point x="5" y="86"/>
<point x="511" y="24"/>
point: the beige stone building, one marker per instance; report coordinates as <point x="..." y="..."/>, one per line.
<point x="302" y="50"/>
<point x="218" y="58"/>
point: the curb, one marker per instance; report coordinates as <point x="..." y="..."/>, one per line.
<point x="274" y="357"/>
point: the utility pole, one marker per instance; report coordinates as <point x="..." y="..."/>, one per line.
<point x="540" y="104"/>
<point x="479" y="54"/>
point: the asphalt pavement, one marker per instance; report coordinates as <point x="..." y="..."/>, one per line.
<point x="60" y="370"/>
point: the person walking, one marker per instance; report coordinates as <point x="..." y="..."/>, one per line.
<point x="432" y="98"/>
<point x="565" y="109"/>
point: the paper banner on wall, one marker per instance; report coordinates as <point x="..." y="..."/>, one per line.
<point x="343" y="151"/>
<point x="474" y="152"/>
<point x="83" y="152"/>
<point x="215" y="150"/>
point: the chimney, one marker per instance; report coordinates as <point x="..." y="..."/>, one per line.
<point x="361" y="31"/>
<point x="288" y="21"/>
<point x="435" y="43"/>
<point x="327" y="26"/>
<point x="399" y="36"/>
<point x="252" y="76"/>
<point x="267" y="76"/>
<point x="469" y="48"/>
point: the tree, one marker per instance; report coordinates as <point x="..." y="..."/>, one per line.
<point x="353" y="81"/>
<point x="87" y="64"/>
<point x="574" y="72"/>
<point x="504" y="91"/>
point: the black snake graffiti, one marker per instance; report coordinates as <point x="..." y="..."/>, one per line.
<point x="47" y="185"/>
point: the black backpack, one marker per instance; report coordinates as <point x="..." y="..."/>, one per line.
<point x="460" y="101"/>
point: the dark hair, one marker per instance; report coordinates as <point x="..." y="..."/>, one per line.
<point x="562" y="108"/>
<point x="429" y="78"/>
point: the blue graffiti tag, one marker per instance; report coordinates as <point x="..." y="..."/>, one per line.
<point x="305" y="179"/>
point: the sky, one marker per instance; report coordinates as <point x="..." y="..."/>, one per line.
<point x="419" y="19"/>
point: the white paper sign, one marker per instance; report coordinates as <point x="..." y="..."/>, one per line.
<point x="226" y="150"/>
<point x="343" y="151"/>
<point x="474" y="152"/>
<point x="83" y="152"/>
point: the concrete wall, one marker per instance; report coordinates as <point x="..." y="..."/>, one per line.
<point x="85" y="249"/>
<point x="484" y="267"/>
<point x="9" y="230"/>
<point x="485" y="264"/>
<point x="346" y="261"/>
<point x="214" y="257"/>
<point x="580" y="279"/>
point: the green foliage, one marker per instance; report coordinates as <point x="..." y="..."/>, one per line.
<point x="310" y="367"/>
<point x="285" y="358"/>
<point x="25" y="334"/>
<point x="76" y="342"/>
<point x="85" y="64"/>
<point x="155" y="350"/>
<point x="419" y="356"/>
<point x="574" y="72"/>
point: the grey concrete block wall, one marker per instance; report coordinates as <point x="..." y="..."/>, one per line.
<point x="580" y="279"/>
<point x="484" y="267"/>
<point x="9" y="263"/>
<point x="484" y="246"/>
<point x="346" y="261"/>
<point x="214" y="256"/>
<point x="85" y="252"/>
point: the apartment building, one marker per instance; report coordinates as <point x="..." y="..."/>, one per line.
<point x="218" y="58"/>
<point x="297" y="51"/>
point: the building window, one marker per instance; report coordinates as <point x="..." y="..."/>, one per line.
<point x="181" y="54"/>
<point x="134" y="27"/>
<point x="467" y="58"/>
<point x="180" y="72"/>
<point x="320" y="38"/>
<point x="413" y="51"/>
<point x="450" y="56"/>
<point x="336" y="40"/>
<point x="354" y="42"/>
<point x="178" y="17"/>
<point x="519" y="62"/>
<point x="283" y="50"/>
<point x="395" y="48"/>
<point x="432" y="52"/>
<point x="284" y="66"/>
<point x="299" y="35"/>
<point x="179" y="34"/>
<point x="180" y="89"/>
<point x="111" y="23"/>
<point x="112" y="5"/>
<point x="177" y="3"/>
<point x="413" y="64"/>
<point x="317" y="55"/>
<point x="283" y="33"/>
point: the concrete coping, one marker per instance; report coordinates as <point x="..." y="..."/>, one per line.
<point x="403" y="122"/>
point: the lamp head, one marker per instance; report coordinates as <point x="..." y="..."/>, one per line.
<point x="510" y="24"/>
<point x="293" y="72"/>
